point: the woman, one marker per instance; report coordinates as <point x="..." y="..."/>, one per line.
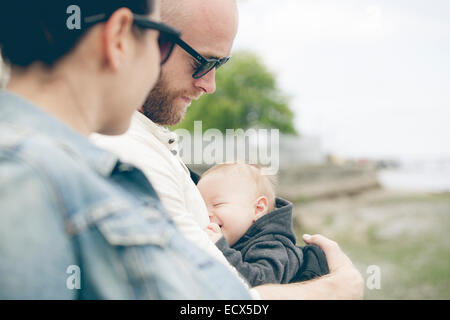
<point x="75" y="222"/>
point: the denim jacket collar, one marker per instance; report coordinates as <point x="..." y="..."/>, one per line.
<point x="21" y="113"/>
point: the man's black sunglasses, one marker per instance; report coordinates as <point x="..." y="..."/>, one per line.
<point x="168" y="36"/>
<point x="206" y="65"/>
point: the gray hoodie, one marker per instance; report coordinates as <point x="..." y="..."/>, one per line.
<point x="267" y="253"/>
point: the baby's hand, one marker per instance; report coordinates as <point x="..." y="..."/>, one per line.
<point x="214" y="232"/>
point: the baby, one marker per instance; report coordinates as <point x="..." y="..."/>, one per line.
<point x="253" y="228"/>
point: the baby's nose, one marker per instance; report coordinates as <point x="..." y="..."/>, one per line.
<point x="212" y="218"/>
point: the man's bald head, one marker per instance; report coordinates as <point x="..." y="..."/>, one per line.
<point x="208" y="26"/>
<point x="172" y="11"/>
<point x="212" y="19"/>
<point x="175" y="12"/>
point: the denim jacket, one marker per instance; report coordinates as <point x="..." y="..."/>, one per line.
<point x="76" y="223"/>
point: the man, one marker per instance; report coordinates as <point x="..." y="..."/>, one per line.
<point x="209" y="28"/>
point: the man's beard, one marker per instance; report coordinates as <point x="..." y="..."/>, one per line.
<point x="159" y="106"/>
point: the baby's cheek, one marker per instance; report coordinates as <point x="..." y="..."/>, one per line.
<point x="226" y="235"/>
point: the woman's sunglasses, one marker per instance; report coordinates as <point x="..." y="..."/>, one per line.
<point x="167" y="39"/>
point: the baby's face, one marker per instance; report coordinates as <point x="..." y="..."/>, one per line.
<point x="230" y="200"/>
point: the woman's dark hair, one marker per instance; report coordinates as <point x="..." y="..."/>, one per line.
<point x="36" y="30"/>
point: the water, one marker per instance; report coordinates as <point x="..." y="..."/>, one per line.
<point x="418" y="175"/>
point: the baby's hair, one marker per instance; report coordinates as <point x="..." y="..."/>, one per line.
<point x="265" y="184"/>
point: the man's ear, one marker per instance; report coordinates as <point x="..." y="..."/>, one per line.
<point x="116" y="37"/>
<point x="261" y="207"/>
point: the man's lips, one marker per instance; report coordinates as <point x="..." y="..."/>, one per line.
<point x="189" y="99"/>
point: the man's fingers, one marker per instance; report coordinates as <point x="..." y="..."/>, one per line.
<point x="335" y="256"/>
<point x="320" y="240"/>
<point x="345" y="273"/>
<point x="214" y="227"/>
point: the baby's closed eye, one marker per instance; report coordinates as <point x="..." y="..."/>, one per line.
<point x="218" y="204"/>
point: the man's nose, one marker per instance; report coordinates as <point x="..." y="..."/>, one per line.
<point x="207" y="83"/>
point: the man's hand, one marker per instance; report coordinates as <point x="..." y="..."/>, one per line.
<point x="214" y="232"/>
<point x="341" y="268"/>
<point x="343" y="282"/>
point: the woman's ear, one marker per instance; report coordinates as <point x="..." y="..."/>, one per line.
<point x="116" y="37"/>
<point x="261" y="207"/>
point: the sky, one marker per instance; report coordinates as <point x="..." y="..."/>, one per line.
<point x="371" y="78"/>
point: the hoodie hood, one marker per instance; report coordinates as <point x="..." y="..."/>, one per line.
<point x="278" y="221"/>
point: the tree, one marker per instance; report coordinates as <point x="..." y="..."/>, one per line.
<point x="246" y="97"/>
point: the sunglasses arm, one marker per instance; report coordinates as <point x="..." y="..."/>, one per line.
<point x="191" y="51"/>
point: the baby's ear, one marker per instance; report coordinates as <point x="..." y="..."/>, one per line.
<point x="261" y="207"/>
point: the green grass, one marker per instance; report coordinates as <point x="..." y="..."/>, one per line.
<point x="407" y="236"/>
